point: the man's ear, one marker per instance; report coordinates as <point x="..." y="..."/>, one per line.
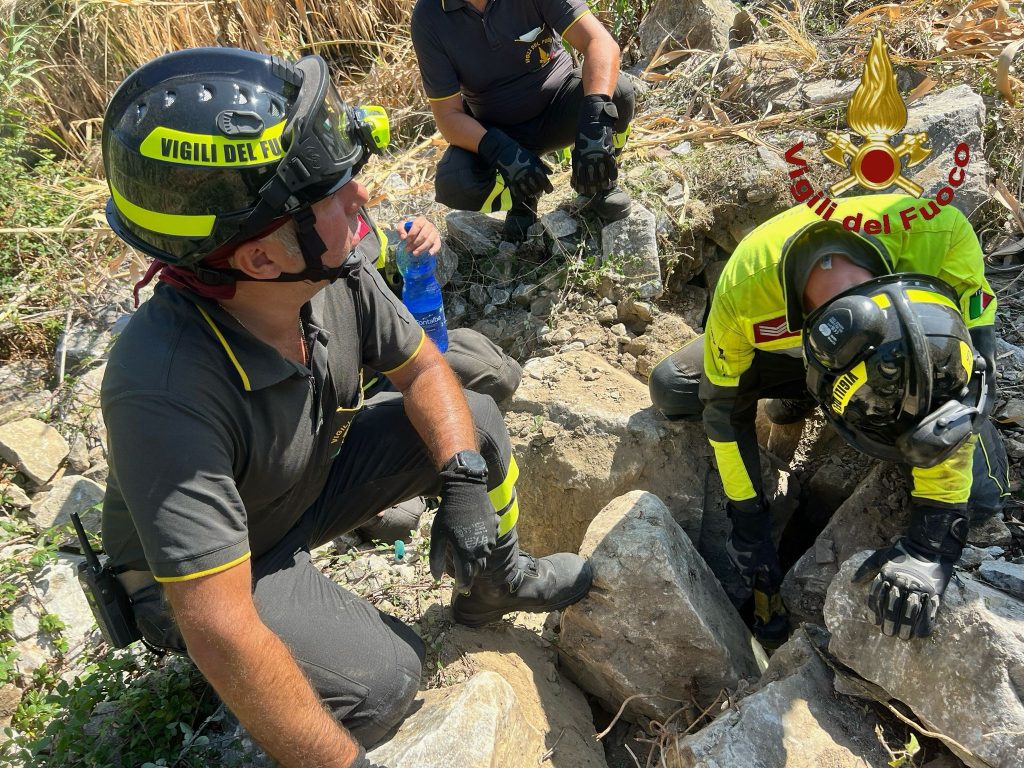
<point x="255" y="259"/>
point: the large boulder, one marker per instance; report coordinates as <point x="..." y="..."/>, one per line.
<point x="477" y="724"/>
<point x="953" y="116"/>
<point x="21" y="390"/>
<point x="964" y="681"/>
<point x="34" y="448"/>
<point x="54" y="591"/>
<point x="870" y="519"/>
<point x="545" y="698"/>
<point x="473" y="234"/>
<point x="795" y="720"/>
<point x="697" y="24"/>
<point x="584" y="433"/>
<point x="656" y="621"/>
<point x="629" y="248"/>
<point x="72" y="493"/>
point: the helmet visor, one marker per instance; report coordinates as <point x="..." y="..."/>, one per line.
<point x="324" y="148"/>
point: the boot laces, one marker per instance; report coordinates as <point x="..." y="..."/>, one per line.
<point x="527" y="565"/>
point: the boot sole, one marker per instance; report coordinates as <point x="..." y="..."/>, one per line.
<point x="474" y="620"/>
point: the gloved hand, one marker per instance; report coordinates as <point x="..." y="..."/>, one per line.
<point x="593" y="158"/>
<point x="751" y="552"/>
<point x="465" y="528"/>
<point x="525" y="174"/>
<point x="911" y="575"/>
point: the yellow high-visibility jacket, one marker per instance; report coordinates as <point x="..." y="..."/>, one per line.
<point x="757" y="307"/>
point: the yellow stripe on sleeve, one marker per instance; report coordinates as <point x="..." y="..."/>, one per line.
<point x="207" y="572"/>
<point x="573" y="22"/>
<point x="423" y="337"/>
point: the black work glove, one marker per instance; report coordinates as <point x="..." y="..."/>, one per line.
<point x="525" y="174"/>
<point x="911" y="575"/>
<point x="750" y="550"/>
<point x="593" y="158"/>
<point x="465" y="528"/>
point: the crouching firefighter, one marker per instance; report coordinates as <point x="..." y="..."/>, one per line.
<point x="891" y="335"/>
<point x="239" y="434"/>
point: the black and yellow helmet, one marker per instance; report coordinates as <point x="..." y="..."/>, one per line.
<point x="208" y="147"/>
<point x="891" y="363"/>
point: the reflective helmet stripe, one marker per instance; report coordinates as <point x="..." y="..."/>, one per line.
<point x="177" y="224"/>
<point x="928" y="297"/>
<point x="170" y="145"/>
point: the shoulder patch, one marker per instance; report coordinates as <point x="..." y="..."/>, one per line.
<point x="978" y="303"/>
<point x="772" y="330"/>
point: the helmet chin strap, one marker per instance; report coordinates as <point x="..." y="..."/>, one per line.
<point x="312" y="247"/>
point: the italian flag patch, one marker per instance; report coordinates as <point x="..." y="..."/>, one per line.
<point x="978" y="303"/>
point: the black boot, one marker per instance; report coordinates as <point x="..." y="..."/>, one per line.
<point x="611" y="205"/>
<point x="785" y="411"/>
<point x="395" y="523"/>
<point x="514" y="581"/>
<point x="520" y="217"/>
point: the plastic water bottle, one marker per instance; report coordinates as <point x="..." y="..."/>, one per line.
<point x="421" y="292"/>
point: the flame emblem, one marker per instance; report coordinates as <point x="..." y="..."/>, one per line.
<point x="877" y="113"/>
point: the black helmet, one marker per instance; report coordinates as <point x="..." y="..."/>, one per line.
<point x="892" y="365"/>
<point x="209" y="147"/>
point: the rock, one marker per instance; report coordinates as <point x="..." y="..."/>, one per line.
<point x="667" y="333"/>
<point x="560" y="336"/>
<point x="523" y="293"/>
<point x="656" y="620"/>
<point x="793" y="721"/>
<point x="471" y="233"/>
<point x="78" y="456"/>
<point x="14" y="496"/>
<point x="479" y="294"/>
<point x="55" y="590"/>
<point x="477" y="724"/>
<point x="1008" y="577"/>
<point x="447" y="265"/>
<point x="832" y="484"/>
<point x="871" y="518"/>
<point x="542" y="305"/>
<point x="712" y="272"/>
<point x="33" y="448"/>
<point x="559" y="224"/>
<point x="972" y="556"/>
<point x="991" y="532"/>
<point x="72" y="493"/>
<point x="606" y="440"/>
<point x="606" y="315"/>
<point x="87" y="340"/>
<point x="963" y="681"/>
<point x="10" y="697"/>
<point x="630" y="248"/>
<point x="21" y="392"/>
<point x="500" y="296"/>
<point x="693" y="304"/>
<point x="702" y="24"/>
<point x="547" y="700"/>
<point x="950" y="117"/>
<point x="632" y="311"/>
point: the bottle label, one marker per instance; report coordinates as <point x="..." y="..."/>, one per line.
<point x="435" y="326"/>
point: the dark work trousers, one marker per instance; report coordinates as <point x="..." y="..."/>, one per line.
<point x="675" y="381"/>
<point x="465" y="182"/>
<point x="480" y="364"/>
<point x="364" y="664"/>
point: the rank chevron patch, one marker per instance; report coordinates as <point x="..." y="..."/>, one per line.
<point x="772" y="330"/>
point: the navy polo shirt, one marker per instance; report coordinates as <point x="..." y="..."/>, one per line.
<point x="507" y="62"/>
<point x="217" y="443"/>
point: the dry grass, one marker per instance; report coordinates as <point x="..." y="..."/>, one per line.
<point x="93" y="45"/>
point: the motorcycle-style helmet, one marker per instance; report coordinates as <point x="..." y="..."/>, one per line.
<point x="892" y="365"/>
<point x="209" y="147"/>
